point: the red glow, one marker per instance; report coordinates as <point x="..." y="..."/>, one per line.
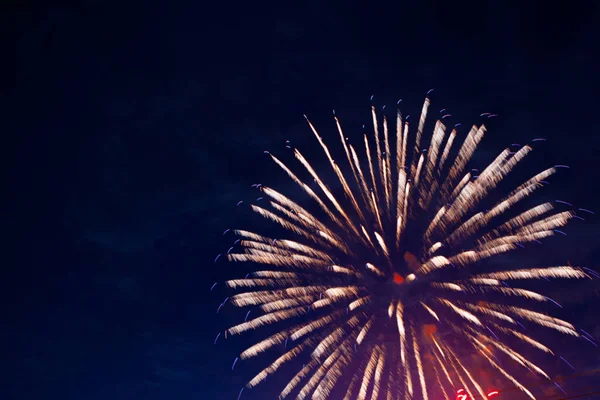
<point x="398" y="279"/>
<point x="461" y="395"/>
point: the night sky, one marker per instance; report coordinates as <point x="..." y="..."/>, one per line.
<point x="131" y="129"/>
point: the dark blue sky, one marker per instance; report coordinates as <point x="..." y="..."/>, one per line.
<point x="132" y="129"/>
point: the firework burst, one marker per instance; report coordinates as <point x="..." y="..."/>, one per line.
<point x="382" y="277"/>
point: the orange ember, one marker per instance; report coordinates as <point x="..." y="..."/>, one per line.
<point x="429" y="329"/>
<point x="411" y="261"/>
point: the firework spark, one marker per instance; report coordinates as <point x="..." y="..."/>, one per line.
<point x="375" y="274"/>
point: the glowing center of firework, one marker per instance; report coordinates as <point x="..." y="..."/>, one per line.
<point x="413" y="264"/>
<point x="398" y="279"/>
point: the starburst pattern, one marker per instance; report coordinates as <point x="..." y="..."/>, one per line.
<point x="385" y="268"/>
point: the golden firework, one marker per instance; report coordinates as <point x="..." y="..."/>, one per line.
<point x="392" y="253"/>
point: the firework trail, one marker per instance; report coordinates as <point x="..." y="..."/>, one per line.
<point x="380" y="277"/>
